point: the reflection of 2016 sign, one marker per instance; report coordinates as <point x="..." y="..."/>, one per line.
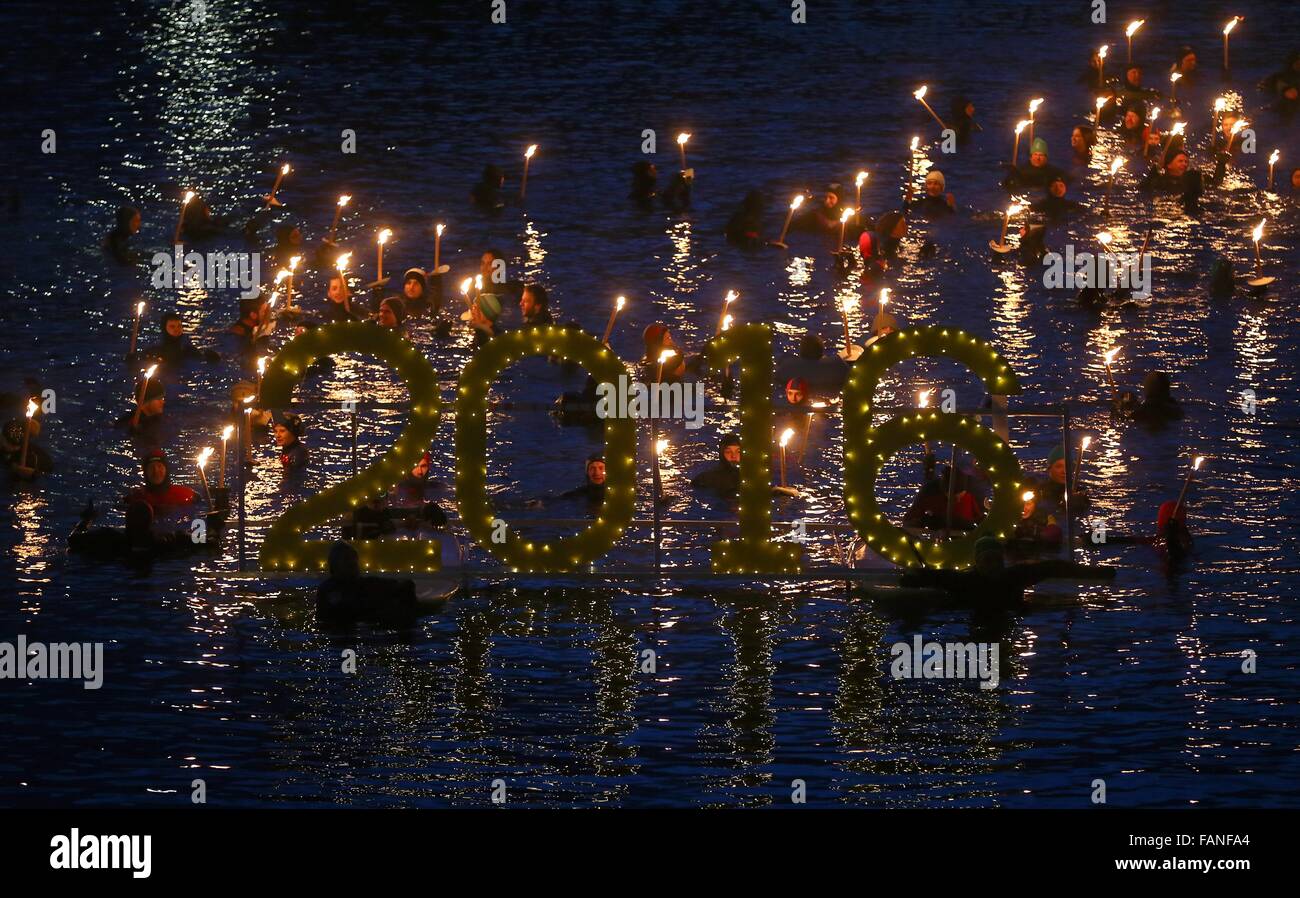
<point x="754" y="552"/>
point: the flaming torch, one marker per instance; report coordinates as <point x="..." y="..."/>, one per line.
<point x="681" y="147"/>
<point x="1237" y="128"/>
<point x="139" y="310"/>
<point x="858" y="182"/>
<point x="1015" y="148"/>
<point x="27" y="432"/>
<point x="180" y="222"/>
<point x="920" y="95"/>
<point x="338" y="213"/>
<point x="437" y="246"/>
<point x="1115" y="165"/>
<point x="383" y="238"/>
<point x="1196" y="466"/>
<point x="202" y="462"/>
<point x="731" y="297"/>
<point x="1272" y="161"/>
<point x="1129" y="32"/>
<point x="528" y="157"/>
<point x="1227" y="30"/>
<point x="1107" y="358"/>
<point x="844" y="220"/>
<point x="270" y="197"/>
<point x="1083" y="447"/>
<point x="1101" y="63"/>
<point x="1001" y="245"/>
<point x="663" y="357"/>
<point x="609" y="327"/>
<point x="789" y="216"/>
<point x="144" y="383"/>
<point x="1257" y="234"/>
<point x="786" y="436"/>
<point x="1176" y="131"/>
<point x="226" y="433"/>
<point x="1033" y="108"/>
<point x="1173" y="86"/>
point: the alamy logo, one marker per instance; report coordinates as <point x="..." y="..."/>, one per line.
<point x="1132" y="271"/>
<point x="21" y="660"/>
<point x="633" y="399"/>
<point x="214" y="271"/>
<point x="946" y="661"/>
<point x="78" y="852"/>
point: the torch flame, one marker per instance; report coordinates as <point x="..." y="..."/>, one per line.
<point x="1196" y="465"/>
<point x="342" y="263"/>
<point x="1116" y="164"/>
<point x="661" y="446"/>
<point x="528" y="153"/>
<point x="1013" y="209"/>
<point x="384" y="235"/>
<point x="1034" y="104"/>
<point x="466" y="284"/>
<point x="850" y="303"/>
<point x="1027" y="496"/>
<point x="666" y="355"/>
<point x="478" y="282"/>
<point x="923" y="399"/>
<point x="1238" y="125"/>
<point x="860" y="179"/>
<point x="786" y="436"/>
<point x="345" y="199"/>
<point x="683" y="137"/>
<point x="1220" y="104"/>
<point x="1155" y="111"/>
<point x="920" y="94"/>
<point x="139" y="307"/>
<point x="884" y="296"/>
<point x="1087" y="441"/>
<point x="281" y="275"/>
<point x="189" y="195"/>
<point x="294" y="262"/>
<point x="440" y="228"/>
<point x="1178" y="129"/>
<point x="284" y="169"/>
<point x="1273" y="157"/>
<point x="204" y="456"/>
<point x="796" y="202"/>
<point x="150" y="373"/>
<point x="1103" y="50"/>
<point x="1174" y="76"/>
<point x="1104" y="238"/>
<point x="1227" y="29"/>
<point x="1022" y="125"/>
<point x="916" y="142"/>
<point x="726" y="321"/>
<point x="261" y="365"/>
<point x="31" y="408"/>
<point x="248" y="400"/>
<point x="731" y="297"/>
<point x="1258" y="233"/>
<point x="846" y="215"/>
<point x="1133" y="27"/>
<point x="227" y="432"/>
<point x="1109" y="355"/>
<point x="1102" y="101"/>
<point x="620" y="302"/>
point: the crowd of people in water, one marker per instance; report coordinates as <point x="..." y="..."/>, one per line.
<point x="950" y="497"/>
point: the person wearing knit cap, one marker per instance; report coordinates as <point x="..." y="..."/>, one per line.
<point x="392" y="313"/>
<point x="175" y="347"/>
<point x="1158" y="406"/>
<point x="722" y="477"/>
<point x="158" y="491"/>
<point x="482" y="317"/>
<point x="1038" y="173"/>
<point x="592" y="491"/>
<point x="1131" y="90"/>
<point x="824" y="375"/>
<point x="1042" y="515"/>
<point x="1055" y="207"/>
<point x="936" y="203"/>
<point x="676" y="368"/>
<point x="144" y="419"/>
<point x="1176" y="176"/>
<point x="879" y="246"/>
<point x="415" y="291"/>
<point x="293" y="454"/>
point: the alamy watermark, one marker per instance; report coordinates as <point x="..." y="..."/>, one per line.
<point x="180" y="269"/>
<point x="634" y="399"/>
<point x="945" y="661"/>
<point x="23" y="660"/>
<point x="1107" y="271"/>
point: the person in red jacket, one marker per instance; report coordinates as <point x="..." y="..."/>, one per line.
<point x="158" y="491"/>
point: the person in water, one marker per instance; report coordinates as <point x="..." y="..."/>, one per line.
<point x="644" y="184"/>
<point x="175" y="347"/>
<point x="487" y="192"/>
<point x="823" y="375"/>
<point x="1172" y="533"/>
<point x="392" y="314"/>
<point x="993" y="582"/>
<point x="1038" y="173"/>
<point x="963" y="118"/>
<point x="1082" y="141"/>
<point x="745" y="227"/>
<point x="534" y="306"/>
<point x="1284" y="84"/>
<point x="347" y="597"/>
<point x="722" y="477"/>
<point x="288" y="430"/>
<point x="139" y="542"/>
<point x="339" y="305"/>
<point x="677" y="195"/>
<point x="482" y="317"/>
<point x="824" y="217"/>
<point x="254" y="316"/>
<point x="288" y="243"/>
<point x="676" y="368"/>
<point x="929" y="510"/>
<point x="144" y="420"/>
<point x="879" y="248"/>
<point x="417" y="293"/>
<point x="936" y="203"/>
<point x="592" y="491"/>
<point x="1056" y="207"/>
<point x="1139" y="135"/>
<point x="1158" y="405"/>
<point x="1131" y="90"/>
<point x="1185" y="64"/>
<point x="37" y="460"/>
<point x="1176" y="176"/>
<point x="158" y="491"/>
<point x="1042" y="514"/>
<point x="118" y="242"/>
<point x="197" y="221"/>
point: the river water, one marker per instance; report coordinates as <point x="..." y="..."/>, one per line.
<point x="540" y="685"/>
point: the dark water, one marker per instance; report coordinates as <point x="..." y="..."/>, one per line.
<point x="231" y="680"/>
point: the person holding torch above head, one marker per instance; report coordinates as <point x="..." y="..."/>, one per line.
<point x="339" y="306"/>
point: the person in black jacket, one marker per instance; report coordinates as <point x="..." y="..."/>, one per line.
<point x="723" y="477"/>
<point x="118" y="242"/>
<point x="992" y="581"/>
<point x="293" y="454"/>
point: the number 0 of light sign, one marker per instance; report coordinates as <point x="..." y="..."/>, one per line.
<point x="866" y="449"/>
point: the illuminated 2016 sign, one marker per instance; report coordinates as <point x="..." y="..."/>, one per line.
<point x="867" y="448"/>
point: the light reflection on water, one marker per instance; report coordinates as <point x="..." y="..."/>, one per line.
<point x="543" y="686"/>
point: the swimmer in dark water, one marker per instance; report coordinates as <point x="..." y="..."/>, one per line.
<point x="677" y="368"/>
<point x="1139" y="136"/>
<point x="929" y="510"/>
<point x="1158" y="405"/>
<point x="963" y="118"/>
<point x="1055" y="207"/>
<point x="1082" y="141"/>
<point x="415" y="292"/>
<point x="1094" y="76"/>
<point x="879" y="247"/>
<point x="339" y="305"/>
<point x="1043" y="513"/>
<point x="158" y="491"/>
<point x="824" y="375"/>
<point x="139" y="542"/>
<point x="823" y="217"/>
<point x="1176" y="176"/>
<point x="644" y="187"/>
<point x="254" y="316"/>
<point x="534" y="306"/>
<point x="392" y="314"/>
<point x="677" y="195"/>
<point x="1185" y="64"/>
<point x="592" y="491"/>
<point x="482" y="316"/>
<point x="1172" y="535"/>
<point x="288" y="243"/>
<point x="346" y="596"/>
<point x="722" y="477"/>
<point x="145" y="418"/>
<point x="118" y="242"/>
<point x="197" y="221"/>
<point x="1284" y="84"/>
<point x="992" y="581"/>
<point x="1131" y="90"/>
<point x="1038" y="173"/>
<point x="745" y="227"/>
<point x="293" y="454"/>
<point x="175" y="347"/>
<point x="798" y="404"/>
<point x="936" y="203"/>
<point x="12" y="437"/>
<point x="487" y="192"/>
